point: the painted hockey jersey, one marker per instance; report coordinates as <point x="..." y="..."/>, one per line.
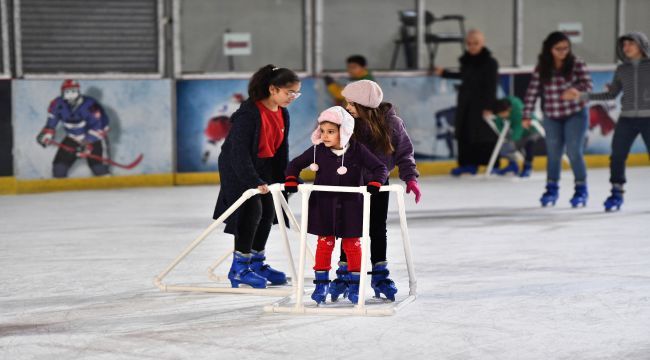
<point x="84" y="121"/>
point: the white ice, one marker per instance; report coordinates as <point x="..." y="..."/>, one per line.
<point x="498" y="278"/>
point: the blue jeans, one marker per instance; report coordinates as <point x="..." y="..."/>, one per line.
<point x="625" y="133"/>
<point x="569" y="132"/>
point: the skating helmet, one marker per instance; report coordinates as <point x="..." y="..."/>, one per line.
<point x="70" y="90"/>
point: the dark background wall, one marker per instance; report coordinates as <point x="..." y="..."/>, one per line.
<point x="6" y="134"/>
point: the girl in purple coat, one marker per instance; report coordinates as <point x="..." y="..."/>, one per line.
<point x="380" y="129"/>
<point x="337" y="161"/>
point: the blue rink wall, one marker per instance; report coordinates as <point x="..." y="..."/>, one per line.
<point x="172" y="124"/>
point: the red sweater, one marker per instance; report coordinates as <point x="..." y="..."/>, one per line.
<point x="271" y="131"/>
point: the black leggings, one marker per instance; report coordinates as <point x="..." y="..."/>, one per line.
<point x="256" y="217"/>
<point x="378" y="216"/>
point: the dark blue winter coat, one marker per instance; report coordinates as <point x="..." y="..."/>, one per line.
<point x="331" y="213"/>
<point x="239" y="166"/>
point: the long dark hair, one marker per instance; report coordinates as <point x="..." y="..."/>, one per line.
<point x="375" y="120"/>
<point x="545" y="62"/>
<point x="258" y="87"/>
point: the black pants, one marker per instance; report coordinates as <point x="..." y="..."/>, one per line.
<point x="625" y="133"/>
<point x="527" y="144"/>
<point x="378" y="216"/>
<point x="256" y="215"/>
<point x="64" y="159"/>
<point x="255" y="220"/>
<point x="474" y="153"/>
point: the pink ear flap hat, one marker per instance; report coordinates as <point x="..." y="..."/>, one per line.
<point x="336" y="115"/>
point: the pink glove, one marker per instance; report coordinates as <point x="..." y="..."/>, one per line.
<point x="412" y="185"/>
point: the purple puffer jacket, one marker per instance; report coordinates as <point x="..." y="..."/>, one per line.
<point x="403" y="155"/>
<point x="333" y="213"/>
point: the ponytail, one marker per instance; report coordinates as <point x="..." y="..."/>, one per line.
<point x="258" y="87"/>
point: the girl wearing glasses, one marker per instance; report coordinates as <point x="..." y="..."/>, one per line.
<point x="255" y="154"/>
<point x="565" y="121"/>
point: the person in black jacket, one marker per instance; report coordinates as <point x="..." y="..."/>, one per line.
<point x="255" y="154"/>
<point x="479" y="73"/>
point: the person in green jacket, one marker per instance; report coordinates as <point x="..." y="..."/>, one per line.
<point x="357" y="68"/>
<point x="522" y="136"/>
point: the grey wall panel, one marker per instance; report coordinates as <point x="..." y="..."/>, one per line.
<point x="637" y="16"/>
<point x="492" y="17"/>
<point x="2" y="50"/>
<point x="4" y="36"/>
<point x="366" y="27"/>
<point x="276" y="28"/>
<point x="369" y="27"/>
<point x="89" y="36"/>
<point x="12" y="43"/>
<point x="598" y="18"/>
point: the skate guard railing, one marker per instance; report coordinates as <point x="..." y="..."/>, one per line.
<point x="284" y="306"/>
<point x="280" y="204"/>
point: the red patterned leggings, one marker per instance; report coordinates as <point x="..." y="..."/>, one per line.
<point x="351" y="247"/>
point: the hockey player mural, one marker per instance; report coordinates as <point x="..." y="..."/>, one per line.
<point x="85" y="125"/>
<point x="218" y="127"/>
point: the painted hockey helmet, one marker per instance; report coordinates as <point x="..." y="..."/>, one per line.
<point x="69" y="84"/>
<point x="70" y="90"/>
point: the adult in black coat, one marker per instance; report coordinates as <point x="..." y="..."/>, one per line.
<point x="479" y="74"/>
<point x="255" y="154"/>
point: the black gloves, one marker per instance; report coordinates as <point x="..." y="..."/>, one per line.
<point x="373" y="187"/>
<point x="291" y="184"/>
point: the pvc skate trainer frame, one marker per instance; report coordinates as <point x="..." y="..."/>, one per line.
<point x="497" y="148"/>
<point x="279" y="204"/>
<point x="502" y="136"/>
<point x="283" y="305"/>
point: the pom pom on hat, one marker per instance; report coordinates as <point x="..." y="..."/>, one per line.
<point x="336" y="115"/>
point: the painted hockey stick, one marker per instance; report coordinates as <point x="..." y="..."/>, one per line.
<point x="96" y="157"/>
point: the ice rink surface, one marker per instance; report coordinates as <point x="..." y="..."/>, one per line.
<point x="498" y="278"/>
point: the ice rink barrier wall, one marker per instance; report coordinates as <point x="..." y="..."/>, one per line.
<point x="133" y="119"/>
<point x="178" y="127"/>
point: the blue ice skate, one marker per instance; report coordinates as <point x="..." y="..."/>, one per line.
<point x="466" y="169"/>
<point x="381" y="283"/>
<point x="353" y="294"/>
<point x="615" y="200"/>
<point x="551" y="194"/>
<point x="580" y="196"/>
<point x="275" y="277"/>
<point x="339" y="286"/>
<point x="512" y="167"/>
<point x="526" y="170"/>
<point x="322" y="284"/>
<point x="241" y="273"/>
